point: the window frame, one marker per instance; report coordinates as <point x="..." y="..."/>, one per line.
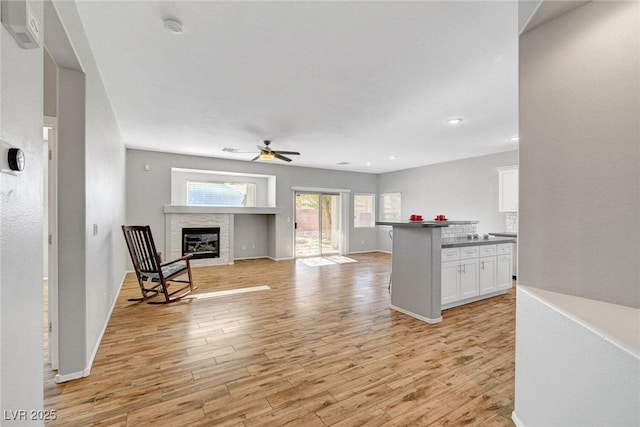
<point x="372" y="196"/>
<point x="381" y="204"/>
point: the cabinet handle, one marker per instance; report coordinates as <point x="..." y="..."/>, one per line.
<point x="464" y="268"/>
<point x="482" y="265"/>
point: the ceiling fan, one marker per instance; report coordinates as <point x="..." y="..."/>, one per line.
<point x="266" y="153"/>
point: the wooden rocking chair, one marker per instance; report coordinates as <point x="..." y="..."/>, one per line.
<point x="154" y="277"/>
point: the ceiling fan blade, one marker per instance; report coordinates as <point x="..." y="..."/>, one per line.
<point x="281" y="157"/>
<point x="255" y="158"/>
<point x="295" y="153"/>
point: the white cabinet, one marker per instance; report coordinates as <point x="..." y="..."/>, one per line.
<point x="472" y="271"/>
<point x="488" y="274"/>
<point x="459" y="277"/>
<point x="504" y="267"/>
<point x="450" y="281"/>
<point x="508" y="189"/>
<point x="469" y="278"/>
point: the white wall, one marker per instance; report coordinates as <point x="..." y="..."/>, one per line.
<point x="21" y="216"/>
<point x="462" y="190"/>
<point x="572" y="375"/>
<point x="97" y="162"/>
<point x="92" y="181"/>
<point x="579" y="232"/>
<point x="579" y="148"/>
<point x="148" y="193"/>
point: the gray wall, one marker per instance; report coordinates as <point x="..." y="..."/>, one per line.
<point x="462" y="190"/>
<point x="21" y="218"/>
<point x="250" y="231"/>
<point x="579" y="154"/>
<point x="148" y="193"/>
<point x="100" y="201"/>
<point x="91" y="181"/>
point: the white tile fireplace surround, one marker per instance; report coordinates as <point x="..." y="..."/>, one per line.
<point x="173" y="236"/>
<point x="178" y="217"/>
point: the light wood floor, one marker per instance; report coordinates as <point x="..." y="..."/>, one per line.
<point x="320" y="348"/>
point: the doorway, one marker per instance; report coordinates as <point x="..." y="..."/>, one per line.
<point x="50" y="225"/>
<point x="317" y="224"/>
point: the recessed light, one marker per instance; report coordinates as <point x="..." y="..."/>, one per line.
<point x="368" y="163"/>
<point x="392" y="157"/>
<point x="455" y="121"/>
<point x="514" y="139"/>
<point x="173" y="26"/>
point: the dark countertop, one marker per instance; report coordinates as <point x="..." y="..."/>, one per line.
<point x="423" y="224"/>
<point x="505" y="234"/>
<point x="415" y="224"/>
<point x="470" y="242"/>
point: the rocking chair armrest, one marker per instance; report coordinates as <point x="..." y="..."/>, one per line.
<point x="183" y="258"/>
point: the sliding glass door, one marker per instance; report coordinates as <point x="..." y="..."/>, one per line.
<point x="317" y="224"/>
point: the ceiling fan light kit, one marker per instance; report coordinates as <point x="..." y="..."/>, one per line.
<point x="266" y="153"/>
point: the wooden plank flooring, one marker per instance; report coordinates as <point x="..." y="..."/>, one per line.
<point x="320" y="348"/>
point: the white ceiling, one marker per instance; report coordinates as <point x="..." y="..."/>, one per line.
<point x="350" y="82"/>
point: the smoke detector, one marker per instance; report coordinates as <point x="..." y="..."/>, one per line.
<point x="173" y="25"/>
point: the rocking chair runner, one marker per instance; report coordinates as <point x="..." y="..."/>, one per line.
<point x="153" y="276"/>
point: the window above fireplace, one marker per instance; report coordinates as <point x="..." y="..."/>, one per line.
<point x="197" y="187"/>
<point x="210" y="193"/>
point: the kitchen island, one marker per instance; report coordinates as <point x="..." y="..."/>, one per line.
<point x="415" y="268"/>
<point x="424" y="279"/>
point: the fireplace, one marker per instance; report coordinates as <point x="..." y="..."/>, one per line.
<point x="201" y="242"/>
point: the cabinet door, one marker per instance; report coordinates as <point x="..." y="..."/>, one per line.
<point x="488" y="274"/>
<point x="508" y="190"/>
<point x="450" y="279"/>
<point x="469" y="286"/>
<point x="503" y="274"/>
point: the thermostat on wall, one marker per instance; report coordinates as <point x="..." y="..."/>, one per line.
<point x="11" y="158"/>
<point x="21" y="22"/>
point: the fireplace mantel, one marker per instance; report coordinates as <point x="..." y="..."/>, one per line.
<point x="182" y="209"/>
<point x="179" y="216"/>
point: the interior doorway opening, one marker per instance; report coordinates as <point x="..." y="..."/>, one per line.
<point x="50" y="239"/>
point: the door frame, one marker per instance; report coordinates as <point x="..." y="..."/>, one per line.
<point x="343" y="220"/>
<point x="52" y="282"/>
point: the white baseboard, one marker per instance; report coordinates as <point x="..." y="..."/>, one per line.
<point x="250" y="257"/>
<point x="87" y="371"/>
<point x="104" y="327"/>
<point x="417" y="316"/>
<point x="517" y="421"/>
<point x="68" y="377"/>
<point x="473" y="299"/>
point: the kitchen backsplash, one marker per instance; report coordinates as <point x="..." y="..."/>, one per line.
<point x="456" y="231"/>
<point x="512" y="222"/>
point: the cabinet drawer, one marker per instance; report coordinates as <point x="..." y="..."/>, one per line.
<point x="488" y="250"/>
<point x="450" y="254"/>
<point x="467" y="252"/>
<point x="504" y="248"/>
